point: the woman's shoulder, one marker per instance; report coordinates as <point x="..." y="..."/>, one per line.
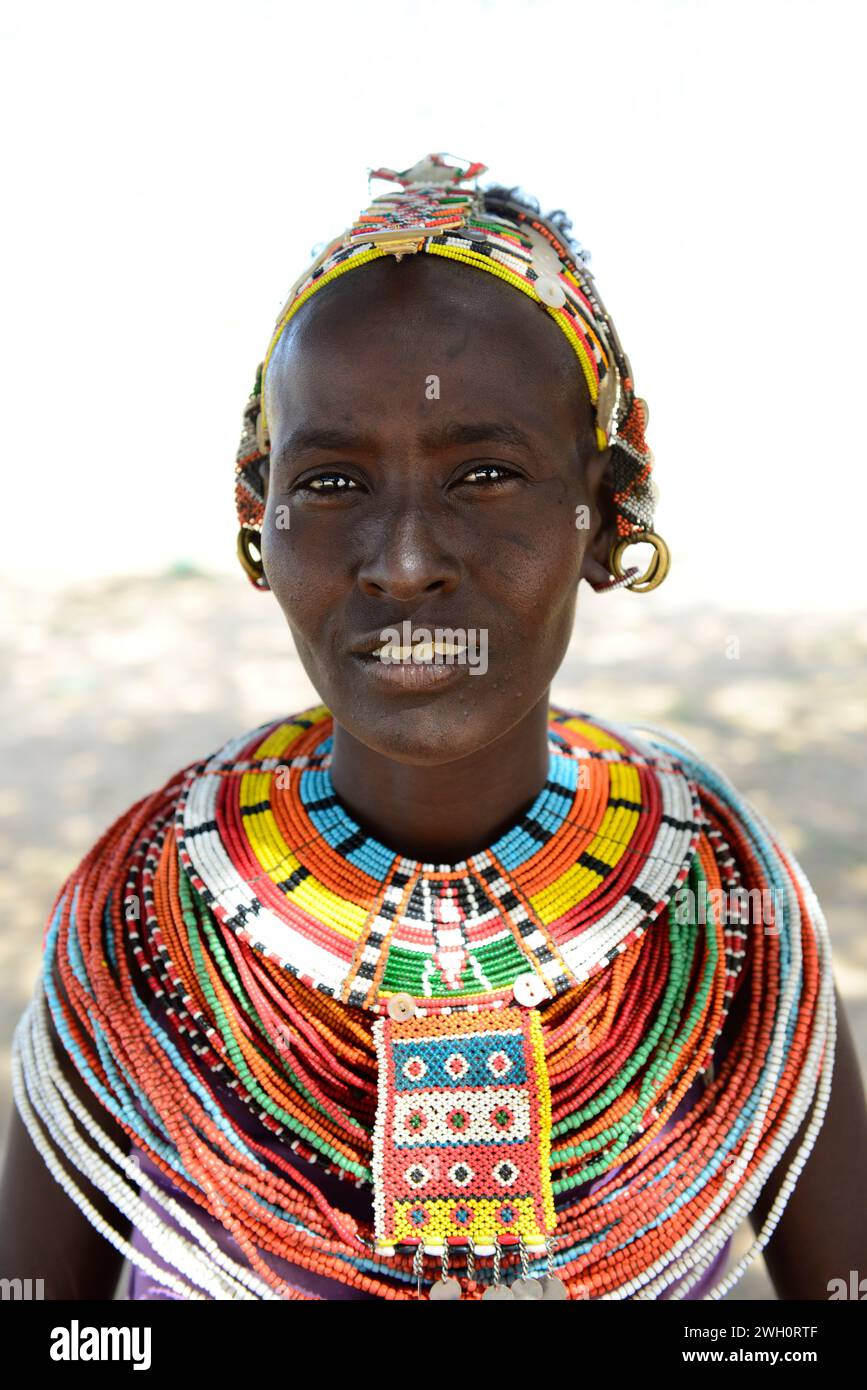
<point x="659" y="765"/>
<point x="257" y="751"/>
<point x="662" y="750"/>
<point x="114" y="876"/>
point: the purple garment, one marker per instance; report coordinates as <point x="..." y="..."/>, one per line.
<point x="343" y="1195"/>
<point x="143" y="1285"/>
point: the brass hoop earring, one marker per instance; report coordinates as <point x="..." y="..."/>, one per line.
<point x="656" y="570"/>
<point x="252" y="564"/>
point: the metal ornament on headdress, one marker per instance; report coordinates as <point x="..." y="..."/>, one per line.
<point x="438" y="209"/>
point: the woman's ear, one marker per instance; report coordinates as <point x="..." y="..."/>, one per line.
<point x="602" y="527"/>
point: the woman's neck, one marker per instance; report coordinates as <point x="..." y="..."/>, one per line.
<point x="444" y="813"/>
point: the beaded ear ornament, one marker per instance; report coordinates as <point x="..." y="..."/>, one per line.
<point x="438" y="209"/>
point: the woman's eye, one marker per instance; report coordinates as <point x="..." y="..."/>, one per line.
<point x="328" y="483"/>
<point x="334" y="484"/>
<point x="488" y="473"/>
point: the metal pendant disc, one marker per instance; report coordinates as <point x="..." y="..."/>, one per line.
<point x="554" y="1288"/>
<point x="445" y="1291"/>
<point x="527" y="1288"/>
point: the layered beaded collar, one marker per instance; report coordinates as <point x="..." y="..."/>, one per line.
<point x="393" y="1020"/>
<point x="577" y="879"/>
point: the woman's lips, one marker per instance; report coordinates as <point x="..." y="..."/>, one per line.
<point x="411" y="675"/>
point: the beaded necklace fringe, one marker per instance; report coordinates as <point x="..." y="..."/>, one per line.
<point x="236" y="929"/>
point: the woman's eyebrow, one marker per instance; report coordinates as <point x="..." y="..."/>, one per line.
<point x="487" y="431"/>
<point x="326" y="438"/>
<point x="445" y="436"/>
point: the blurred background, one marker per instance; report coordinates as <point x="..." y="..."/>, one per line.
<point x="171" y="170"/>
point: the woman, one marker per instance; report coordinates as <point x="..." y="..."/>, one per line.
<point x="497" y="963"/>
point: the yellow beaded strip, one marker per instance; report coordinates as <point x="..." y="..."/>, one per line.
<point x="374" y="254"/>
<point x="561" y="319"/>
<point x="473" y="258"/>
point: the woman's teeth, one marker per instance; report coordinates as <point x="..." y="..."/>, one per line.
<point x="422" y="651"/>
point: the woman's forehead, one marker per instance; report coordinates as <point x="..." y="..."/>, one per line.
<point x="430" y="333"/>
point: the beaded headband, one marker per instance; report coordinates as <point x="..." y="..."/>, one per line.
<point x="435" y="211"/>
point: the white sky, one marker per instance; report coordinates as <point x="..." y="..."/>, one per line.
<point x="167" y="168"/>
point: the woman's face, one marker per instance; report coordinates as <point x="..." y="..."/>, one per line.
<point x="431" y="441"/>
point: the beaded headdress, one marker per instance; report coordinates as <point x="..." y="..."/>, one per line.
<point x="438" y="209"/>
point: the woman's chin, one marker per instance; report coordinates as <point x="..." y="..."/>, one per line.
<point x="416" y="730"/>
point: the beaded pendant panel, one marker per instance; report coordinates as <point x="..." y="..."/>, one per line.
<point x="462" y="1140"/>
<point x="588" y="869"/>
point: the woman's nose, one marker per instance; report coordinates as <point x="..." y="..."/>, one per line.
<point x="408" y="559"/>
